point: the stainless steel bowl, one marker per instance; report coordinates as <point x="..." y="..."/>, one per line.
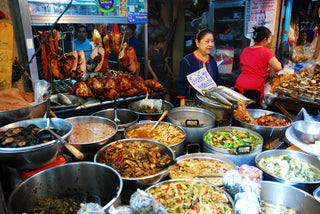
<point x="89" y="149"/>
<point x="269" y="134"/>
<point x="307" y="131"/>
<point x="31" y="112"/>
<point x="142" y="182"/>
<point x="307" y="186"/>
<point x="289" y="196"/>
<point x="159" y="104"/>
<point x="87" y="181"/>
<point x="184" y="116"/>
<point x="36" y="156"/>
<point x="126" y="116"/>
<point x="177" y="148"/>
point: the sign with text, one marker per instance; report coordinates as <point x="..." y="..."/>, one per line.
<point x="137" y="17"/>
<point x="201" y="80"/>
<point x="105" y="6"/>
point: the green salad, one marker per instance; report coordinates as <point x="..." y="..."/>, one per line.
<point x="231" y="139"/>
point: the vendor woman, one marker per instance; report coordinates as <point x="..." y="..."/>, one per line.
<point x="255" y="61"/>
<point x="193" y="62"/>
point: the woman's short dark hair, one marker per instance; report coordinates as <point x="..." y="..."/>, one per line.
<point x="260" y="33"/>
<point x="201" y="33"/>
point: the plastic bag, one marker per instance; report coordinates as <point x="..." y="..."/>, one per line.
<point x="142" y="202"/>
<point x="40" y="88"/>
<point x="303" y="115"/>
<point x="90" y="208"/>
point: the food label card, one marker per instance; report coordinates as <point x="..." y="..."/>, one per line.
<point x="201" y="80"/>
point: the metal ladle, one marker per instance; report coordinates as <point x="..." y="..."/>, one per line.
<point x="116" y="119"/>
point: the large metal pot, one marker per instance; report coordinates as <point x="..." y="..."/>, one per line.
<point x="307" y="186"/>
<point x="35" y="111"/>
<point x="237" y="157"/>
<point x="91" y="182"/>
<point x="268" y="133"/>
<point x="289" y="196"/>
<point x="158" y="104"/>
<point x="89" y="149"/>
<point x="211" y="105"/>
<point x="141" y="182"/>
<point x="36" y="156"/>
<point x="177" y="148"/>
<point x="194" y="121"/>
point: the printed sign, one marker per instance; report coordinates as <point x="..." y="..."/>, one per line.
<point x="138" y="17"/>
<point x="201" y="80"/>
<point x="105" y="6"/>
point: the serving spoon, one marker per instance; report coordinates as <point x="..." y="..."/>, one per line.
<point x="161" y="118"/>
<point x="116" y="119"/>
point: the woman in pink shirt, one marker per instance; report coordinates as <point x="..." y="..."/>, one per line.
<point x="255" y="61"/>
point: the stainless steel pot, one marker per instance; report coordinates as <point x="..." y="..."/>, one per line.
<point x="289" y="196"/>
<point x="211" y="105"/>
<point x="194" y="121"/>
<point x="35" y="111"/>
<point x="177" y="148"/>
<point x="141" y="182"/>
<point x="307" y="186"/>
<point x="85" y="180"/>
<point x="158" y="104"/>
<point x="36" y="156"/>
<point x="89" y="149"/>
<point x="126" y="116"/>
<point x="235" y="156"/>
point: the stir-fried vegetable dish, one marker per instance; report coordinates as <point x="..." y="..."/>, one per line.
<point x="231" y="139"/>
<point x="290" y="168"/>
<point x="135" y="159"/>
<point x="56" y="205"/>
<point x="190" y="168"/>
<point x="191" y="197"/>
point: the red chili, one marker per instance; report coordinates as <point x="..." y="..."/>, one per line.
<point x="121" y="158"/>
<point x="114" y="160"/>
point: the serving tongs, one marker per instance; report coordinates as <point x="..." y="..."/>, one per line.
<point x="48" y="130"/>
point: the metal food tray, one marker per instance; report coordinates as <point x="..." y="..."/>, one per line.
<point x="92" y="105"/>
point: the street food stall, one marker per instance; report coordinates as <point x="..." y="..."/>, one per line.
<point x="139" y="152"/>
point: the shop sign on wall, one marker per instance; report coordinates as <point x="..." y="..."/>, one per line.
<point x="262" y="13"/>
<point x="105" y="6"/>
